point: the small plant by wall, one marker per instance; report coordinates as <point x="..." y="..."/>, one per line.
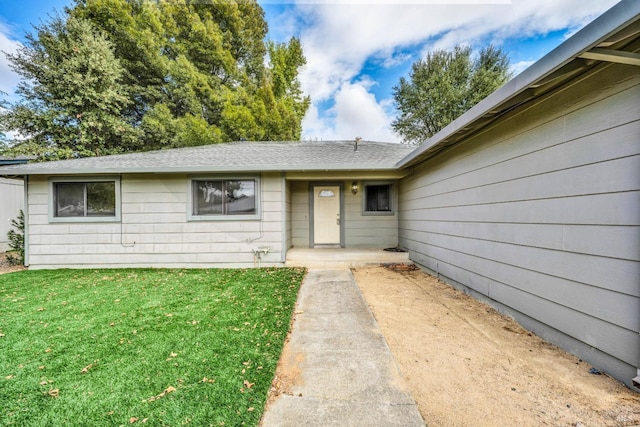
<point x="15" y="256"/>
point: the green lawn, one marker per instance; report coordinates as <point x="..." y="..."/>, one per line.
<point x="141" y="346"/>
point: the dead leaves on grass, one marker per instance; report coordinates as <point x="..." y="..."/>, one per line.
<point x="166" y="391"/>
<point x="89" y="366"/>
<point x="246" y="384"/>
<point x="55" y="393"/>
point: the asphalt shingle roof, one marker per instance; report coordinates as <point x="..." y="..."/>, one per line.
<point x="235" y="156"/>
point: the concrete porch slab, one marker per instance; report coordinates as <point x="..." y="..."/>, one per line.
<point x="337" y="258"/>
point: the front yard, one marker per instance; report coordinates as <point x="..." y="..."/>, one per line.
<point x="141" y="346"/>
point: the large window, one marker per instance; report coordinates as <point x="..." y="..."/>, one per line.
<point x="85" y="200"/>
<point x="378" y="199"/>
<point x="216" y="198"/>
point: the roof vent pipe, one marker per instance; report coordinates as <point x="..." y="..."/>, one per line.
<point x="358" y="139"/>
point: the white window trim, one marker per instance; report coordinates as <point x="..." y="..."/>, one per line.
<point x="84" y="219"/>
<point x="392" y="198"/>
<point x="222" y="217"/>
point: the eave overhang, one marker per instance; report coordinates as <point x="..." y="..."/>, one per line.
<point x="613" y="38"/>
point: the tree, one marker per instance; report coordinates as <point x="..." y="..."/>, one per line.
<point x="285" y="101"/>
<point x="153" y="75"/>
<point x="3" y="138"/>
<point x="444" y="85"/>
<point x="201" y="67"/>
<point x="71" y="94"/>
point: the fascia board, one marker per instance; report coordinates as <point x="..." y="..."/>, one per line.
<point x="199" y="169"/>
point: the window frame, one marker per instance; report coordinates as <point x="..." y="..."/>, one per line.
<point x="84" y="180"/>
<point x="222" y="216"/>
<point x="392" y="198"/>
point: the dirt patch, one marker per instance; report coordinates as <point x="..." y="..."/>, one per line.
<point x="287" y="376"/>
<point x="288" y="373"/>
<point x="5" y="267"/>
<point x="467" y="365"/>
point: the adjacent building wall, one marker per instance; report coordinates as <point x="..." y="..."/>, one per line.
<point x="539" y="215"/>
<point x="11" y="202"/>
<point x="154" y="231"/>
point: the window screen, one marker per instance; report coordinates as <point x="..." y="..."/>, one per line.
<point x="377" y="198"/>
<point x="84" y="199"/>
<point x="224" y="197"/>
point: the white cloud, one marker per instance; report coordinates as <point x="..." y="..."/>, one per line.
<point x="340" y="36"/>
<point x="8" y="79"/>
<point x="520" y="66"/>
<point x="356" y="113"/>
<point x="359" y="114"/>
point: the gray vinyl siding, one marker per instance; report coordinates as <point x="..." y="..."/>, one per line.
<point x="368" y="230"/>
<point x="299" y="213"/>
<point x="154" y="230"/>
<point x="287" y="220"/>
<point x="11" y="202"/>
<point x="540" y="216"/>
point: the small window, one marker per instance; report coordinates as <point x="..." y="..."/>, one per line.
<point x="84" y="200"/>
<point x="223" y="197"/>
<point x="378" y="199"/>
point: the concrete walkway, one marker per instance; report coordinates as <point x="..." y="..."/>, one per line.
<point x="342" y="370"/>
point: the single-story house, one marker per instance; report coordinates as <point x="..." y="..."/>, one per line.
<point x="211" y="206"/>
<point x="530" y="201"/>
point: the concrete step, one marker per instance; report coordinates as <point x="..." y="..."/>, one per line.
<point x="342" y="257"/>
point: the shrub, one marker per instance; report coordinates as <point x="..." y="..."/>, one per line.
<point x="16" y="241"/>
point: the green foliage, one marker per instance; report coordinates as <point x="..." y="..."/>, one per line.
<point x="443" y="86"/>
<point x="71" y="93"/>
<point x="115" y="76"/>
<point x="199" y="67"/>
<point x="4" y="143"/>
<point x="193" y="131"/>
<point x="284" y="101"/>
<point x="153" y="346"/>
<point x="16" y="241"/>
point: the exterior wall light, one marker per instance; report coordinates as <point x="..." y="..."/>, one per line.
<point x="354" y="187"/>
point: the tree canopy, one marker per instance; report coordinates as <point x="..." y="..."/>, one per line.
<point x="71" y="95"/>
<point x="444" y="85"/>
<point x="111" y="76"/>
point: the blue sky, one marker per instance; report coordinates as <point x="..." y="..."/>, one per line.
<point x="357" y="50"/>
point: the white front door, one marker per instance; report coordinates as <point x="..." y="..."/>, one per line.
<point x="326" y="215"/>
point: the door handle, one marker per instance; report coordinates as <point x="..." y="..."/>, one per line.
<point x="338" y="221"/>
